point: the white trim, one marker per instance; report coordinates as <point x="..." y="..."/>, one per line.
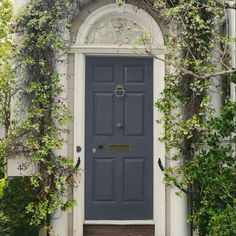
<point x="79" y="134"/>
<point x="119" y="222"/>
<point x="232" y="33"/>
<point x="179" y="224"/>
<point x="158" y="151"/>
<point x="79" y="117"/>
<point x="116" y="49"/>
<point x="60" y="216"/>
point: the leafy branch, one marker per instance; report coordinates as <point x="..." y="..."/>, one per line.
<point x="37" y="131"/>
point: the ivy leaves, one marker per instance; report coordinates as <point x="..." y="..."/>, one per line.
<point x="203" y="143"/>
<point x="213" y="172"/>
<point x="41" y="26"/>
<point x="6" y="72"/>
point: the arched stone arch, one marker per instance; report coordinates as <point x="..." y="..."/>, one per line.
<point x="126" y="20"/>
<point x="87" y="42"/>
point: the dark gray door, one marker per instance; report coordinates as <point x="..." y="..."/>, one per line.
<point x="119" y="138"/>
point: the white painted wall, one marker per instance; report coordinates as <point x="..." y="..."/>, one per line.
<point x="17" y="4"/>
<point x="178" y="209"/>
<point x="216" y="98"/>
<point x="178" y="214"/>
<point x="59" y="220"/>
<point x="232" y="33"/>
<point x="178" y="204"/>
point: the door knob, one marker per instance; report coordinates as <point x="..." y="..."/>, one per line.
<point x="99" y="147"/>
<point x="119" y="125"/>
<point x="94" y="150"/>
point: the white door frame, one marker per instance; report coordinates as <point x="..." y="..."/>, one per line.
<point x="79" y="116"/>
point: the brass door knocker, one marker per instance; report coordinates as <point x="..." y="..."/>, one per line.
<point x="119" y="92"/>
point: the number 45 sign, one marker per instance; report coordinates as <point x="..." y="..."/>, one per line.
<point x="20" y="166"/>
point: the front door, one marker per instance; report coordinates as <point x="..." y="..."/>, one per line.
<point x="119" y="138"/>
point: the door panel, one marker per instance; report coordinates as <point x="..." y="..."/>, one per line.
<point x="103" y="175"/>
<point x="133" y="179"/>
<point x="103" y="73"/>
<point x="119" y="138"/>
<point x="134" y="74"/>
<point x="134" y="114"/>
<point x="103" y="114"/>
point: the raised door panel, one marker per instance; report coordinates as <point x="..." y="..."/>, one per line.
<point x="134" y="114"/>
<point x="103" y="113"/>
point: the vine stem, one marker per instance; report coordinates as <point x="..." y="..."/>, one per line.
<point x="188" y="72"/>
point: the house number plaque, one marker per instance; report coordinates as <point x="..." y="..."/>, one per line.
<point x="20" y="166"/>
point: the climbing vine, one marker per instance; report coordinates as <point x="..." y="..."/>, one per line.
<point x="6" y="72"/>
<point x="200" y="144"/>
<point x="41" y="115"/>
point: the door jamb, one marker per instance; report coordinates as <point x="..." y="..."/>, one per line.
<point x="79" y="139"/>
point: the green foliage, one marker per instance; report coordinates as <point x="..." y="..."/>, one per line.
<point x="14" y="198"/>
<point x="6" y="72"/>
<point x="5" y="18"/>
<point x="203" y="143"/>
<point x="121" y="2"/>
<point x="3" y="218"/>
<point x="38" y="131"/>
<point x="2" y="184"/>
<point x="213" y="172"/>
<point x="2" y="164"/>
